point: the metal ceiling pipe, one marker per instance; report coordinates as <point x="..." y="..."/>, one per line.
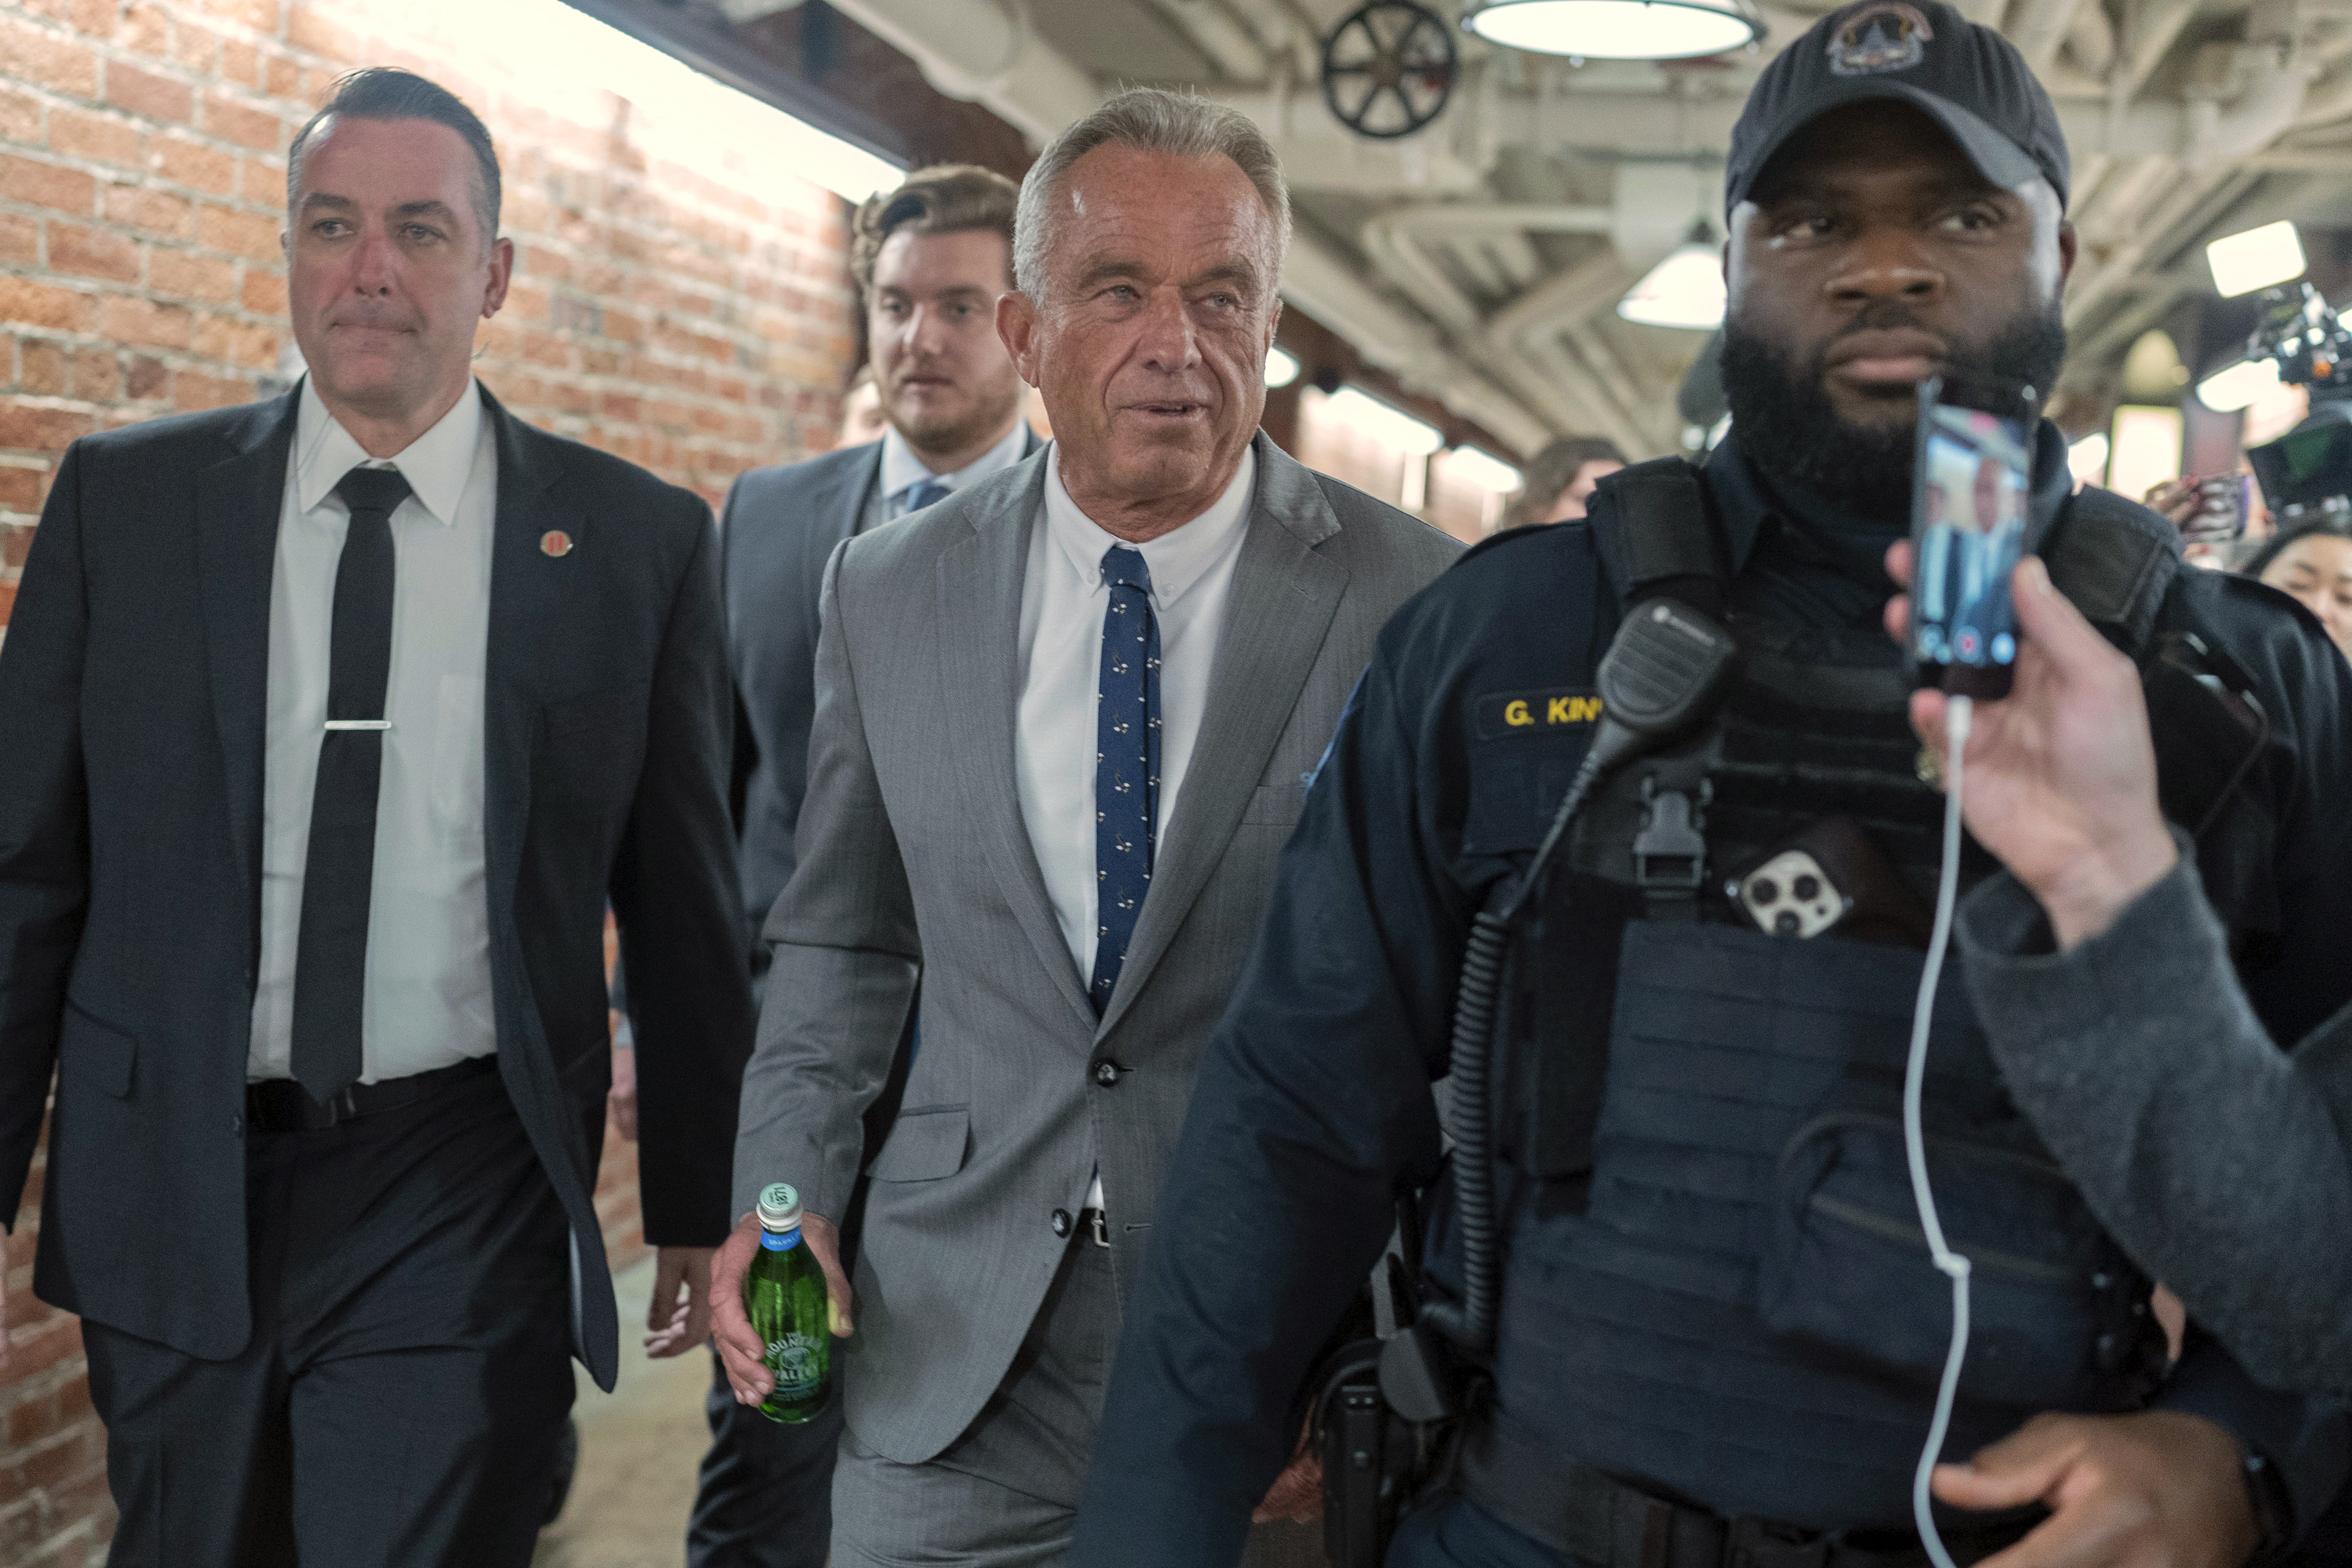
<point x="2041" y="29"/>
<point x="1329" y="290"/>
<point x="1036" y="88"/>
<point x="995" y="58"/>
<point x="1412" y="268"/>
<point x="1450" y="219"/>
<point x="1570" y="373"/>
<point x="1215" y="34"/>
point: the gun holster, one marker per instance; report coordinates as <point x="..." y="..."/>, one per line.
<point x="1386" y="1423"/>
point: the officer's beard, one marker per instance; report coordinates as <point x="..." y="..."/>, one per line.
<point x="1788" y="428"/>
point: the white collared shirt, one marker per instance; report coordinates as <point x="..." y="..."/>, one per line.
<point x="1063" y="601"/>
<point x="427" y="996"/>
<point x="902" y="470"/>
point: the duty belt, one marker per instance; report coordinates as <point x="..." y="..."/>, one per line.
<point x="1600" y="1522"/>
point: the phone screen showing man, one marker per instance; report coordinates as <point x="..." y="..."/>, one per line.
<point x="1969" y="527"/>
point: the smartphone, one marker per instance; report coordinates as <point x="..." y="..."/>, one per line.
<point x="2208" y="509"/>
<point x="1972" y="523"/>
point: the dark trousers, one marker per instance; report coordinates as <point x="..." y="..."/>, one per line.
<point x="408" y="1378"/>
<point x="1451" y="1531"/>
<point x="764" y="1498"/>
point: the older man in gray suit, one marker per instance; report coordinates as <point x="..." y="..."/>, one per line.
<point x="1062" y="722"/>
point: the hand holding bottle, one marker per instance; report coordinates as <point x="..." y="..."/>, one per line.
<point x="741" y="1350"/>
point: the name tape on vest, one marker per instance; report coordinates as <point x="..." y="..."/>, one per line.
<point x="1535" y="712"/>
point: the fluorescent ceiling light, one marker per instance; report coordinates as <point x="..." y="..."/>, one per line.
<point x="687" y="116"/>
<point x="2086" y="459"/>
<point x="1484" y="470"/>
<point x="1390" y="426"/>
<point x="1616" y="29"/>
<point x="2143" y="449"/>
<point x="1685" y="291"/>
<point x="1281" y="369"/>
<point x="2257" y="258"/>
<point x="2242" y="386"/>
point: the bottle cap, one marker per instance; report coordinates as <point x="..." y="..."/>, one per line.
<point x="780" y="1207"/>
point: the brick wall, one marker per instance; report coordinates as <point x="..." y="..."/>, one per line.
<point x="688" y="309"/>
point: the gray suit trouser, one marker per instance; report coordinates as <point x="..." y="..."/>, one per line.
<point x="1005" y="1494"/>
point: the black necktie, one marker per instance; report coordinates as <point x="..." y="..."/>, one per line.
<point x="330" y="954"/>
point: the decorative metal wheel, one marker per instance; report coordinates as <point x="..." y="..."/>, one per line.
<point x="1388" y="69"/>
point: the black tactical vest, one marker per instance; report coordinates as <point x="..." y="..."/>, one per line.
<point x="1716" y="1286"/>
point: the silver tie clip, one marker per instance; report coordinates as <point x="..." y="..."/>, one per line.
<point x="359" y="723"/>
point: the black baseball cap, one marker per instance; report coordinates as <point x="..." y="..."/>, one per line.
<point x="1967" y="78"/>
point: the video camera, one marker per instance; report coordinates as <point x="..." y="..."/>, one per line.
<point x="2310" y="467"/>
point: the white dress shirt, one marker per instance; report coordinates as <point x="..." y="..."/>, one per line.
<point x="1062" y="601"/>
<point x="902" y="470"/>
<point x="427" y="997"/>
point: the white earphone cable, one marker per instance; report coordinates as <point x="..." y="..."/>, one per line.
<point x="1959" y="713"/>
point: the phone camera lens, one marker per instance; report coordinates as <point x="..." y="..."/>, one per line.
<point x="1763" y="890"/>
<point x="1785" y="923"/>
<point x="1807" y="889"/>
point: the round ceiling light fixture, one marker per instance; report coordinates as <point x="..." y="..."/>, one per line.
<point x="1686" y="290"/>
<point x="1618" y="29"/>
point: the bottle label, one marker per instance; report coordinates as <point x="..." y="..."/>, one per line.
<point x="797" y="1359"/>
<point x="781" y="1240"/>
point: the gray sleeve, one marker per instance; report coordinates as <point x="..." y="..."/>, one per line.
<point x="846" y="959"/>
<point x="2215" y="1159"/>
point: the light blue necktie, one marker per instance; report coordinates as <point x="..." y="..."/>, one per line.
<point x="928" y="493"/>
<point x="1126" y="763"/>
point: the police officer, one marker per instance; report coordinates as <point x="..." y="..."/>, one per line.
<point x="1717" y="1334"/>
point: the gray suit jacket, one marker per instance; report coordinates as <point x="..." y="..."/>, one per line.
<point x="2223" y="1163"/>
<point x="914" y="861"/>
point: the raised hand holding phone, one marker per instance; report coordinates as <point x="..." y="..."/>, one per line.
<point x="2060" y="776"/>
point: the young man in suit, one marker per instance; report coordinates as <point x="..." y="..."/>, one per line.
<point x="931" y="258"/>
<point x="1062" y="725"/>
<point x="332" y="723"/>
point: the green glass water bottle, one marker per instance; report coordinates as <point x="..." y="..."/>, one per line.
<point x="784" y="1296"/>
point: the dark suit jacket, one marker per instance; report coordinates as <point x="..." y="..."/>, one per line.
<point x="778" y="529"/>
<point x="132" y="690"/>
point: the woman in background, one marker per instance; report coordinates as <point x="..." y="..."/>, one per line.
<point x="2311" y="561"/>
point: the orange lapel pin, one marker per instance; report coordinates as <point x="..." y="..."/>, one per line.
<point x="555" y="543"/>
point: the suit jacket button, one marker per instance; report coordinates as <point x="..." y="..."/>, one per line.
<point x="1107" y="1073"/>
<point x="1061" y="1222"/>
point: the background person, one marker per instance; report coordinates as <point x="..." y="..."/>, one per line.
<point x="862" y="419"/>
<point x="1556" y="486"/>
<point x="2311" y="562"/>
<point x="310" y="923"/>
<point x="1062" y="721"/>
<point x="931" y="260"/>
<point x="2106" y="988"/>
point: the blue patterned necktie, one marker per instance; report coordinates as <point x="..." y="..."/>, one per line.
<point x="1126" y="763"/>
<point x="928" y="493"/>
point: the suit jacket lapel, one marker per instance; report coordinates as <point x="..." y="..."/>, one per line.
<point x="1283" y="597"/>
<point x="980" y="584"/>
<point x="844" y="501"/>
<point x="522" y="600"/>
<point x="238" y="504"/>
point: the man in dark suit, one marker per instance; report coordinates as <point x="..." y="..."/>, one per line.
<point x="331" y="723"/>
<point x="931" y="260"/>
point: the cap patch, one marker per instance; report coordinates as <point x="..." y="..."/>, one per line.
<point x="1876" y="39"/>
